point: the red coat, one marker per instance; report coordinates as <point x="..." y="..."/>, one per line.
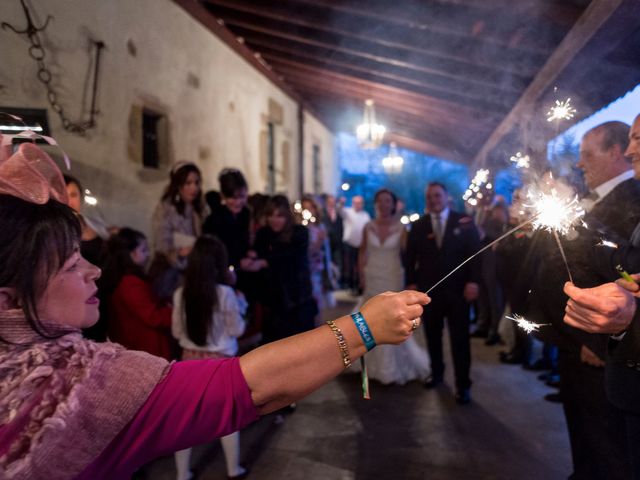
<point x="137" y="321"/>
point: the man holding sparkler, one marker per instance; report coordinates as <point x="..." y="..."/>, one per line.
<point x="612" y="309"/>
<point x="596" y="427"/>
<point x="437" y="243"/>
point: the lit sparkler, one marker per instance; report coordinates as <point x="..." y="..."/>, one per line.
<point x="525" y="324"/>
<point x="607" y="243"/>
<point x="554" y="212"/>
<point x="561" y="111"/>
<point x="520" y="160"/>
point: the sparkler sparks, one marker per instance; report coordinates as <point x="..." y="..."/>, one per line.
<point x="525" y="324"/>
<point x="554" y="212"/>
<point x="520" y="160"/>
<point x="607" y="243"/>
<point x="561" y="111"/>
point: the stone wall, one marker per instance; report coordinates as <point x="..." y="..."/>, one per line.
<point x="215" y="106"/>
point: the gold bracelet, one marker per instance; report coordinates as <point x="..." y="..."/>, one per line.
<point x="342" y="343"/>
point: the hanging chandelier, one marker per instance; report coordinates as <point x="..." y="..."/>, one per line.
<point x="370" y="133"/>
<point x="393" y="162"/>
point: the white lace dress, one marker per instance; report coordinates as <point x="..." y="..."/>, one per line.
<point x="383" y="271"/>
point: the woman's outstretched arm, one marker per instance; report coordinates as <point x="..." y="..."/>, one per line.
<point x="282" y="372"/>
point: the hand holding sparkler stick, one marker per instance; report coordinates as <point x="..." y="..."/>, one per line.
<point x="607" y="308"/>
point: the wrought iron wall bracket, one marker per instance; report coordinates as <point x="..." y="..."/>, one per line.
<point x="44" y="75"/>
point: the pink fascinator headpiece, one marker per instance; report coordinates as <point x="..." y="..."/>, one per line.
<point x="31" y="175"/>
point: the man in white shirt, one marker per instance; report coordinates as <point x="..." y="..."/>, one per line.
<point x="354" y="219"/>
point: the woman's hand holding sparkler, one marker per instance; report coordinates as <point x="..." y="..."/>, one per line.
<point x="607" y="308"/>
<point x="393" y="317"/>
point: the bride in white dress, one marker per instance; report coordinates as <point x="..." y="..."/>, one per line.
<point x="381" y="270"/>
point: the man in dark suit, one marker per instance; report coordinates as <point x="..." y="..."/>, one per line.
<point x="608" y="309"/>
<point x="596" y="427"/>
<point x="437" y="244"/>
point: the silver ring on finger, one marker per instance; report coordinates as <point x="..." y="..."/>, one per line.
<point x="414" y="324"/>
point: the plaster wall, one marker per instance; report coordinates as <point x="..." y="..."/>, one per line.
<point x="216" y="105"/>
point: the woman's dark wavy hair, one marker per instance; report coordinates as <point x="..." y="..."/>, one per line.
<point x="282" y="204"/>
<point x="206" y="268"/>
<point x="35" y="242"/>
<point x="177" y="180"/>
<point x="118" y="261"/>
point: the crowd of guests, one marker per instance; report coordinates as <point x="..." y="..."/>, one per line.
<point x="227" y="264"/>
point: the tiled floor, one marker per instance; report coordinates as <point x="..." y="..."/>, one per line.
<point x="508" y="432"/>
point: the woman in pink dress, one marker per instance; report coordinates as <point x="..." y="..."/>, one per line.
<point x="72" y="408"/>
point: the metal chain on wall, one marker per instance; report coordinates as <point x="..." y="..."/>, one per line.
<point x="37" y="52"/>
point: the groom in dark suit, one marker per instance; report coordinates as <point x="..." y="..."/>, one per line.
<point x="437" y="244"/>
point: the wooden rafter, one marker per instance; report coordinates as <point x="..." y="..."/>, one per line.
<point x="449" y="59"/>
<point x="422" y="23"/>
<point x="589" y="23"/>
<point x="462" y="98"/>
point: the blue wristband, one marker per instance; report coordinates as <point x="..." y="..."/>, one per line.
<point x="363" y="330"/>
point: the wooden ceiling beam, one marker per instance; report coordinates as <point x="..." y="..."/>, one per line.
<point x="452" y="60"/>
<point x="415" y="113"/>
<point x="460" y="95"/>
<point x="425" y="23"/>
<point x="460" y="99"/>
<point x="454" y="83"/>
<point x="375" y="90"/>
<point x="242" y="28"/>
<point x="596" y="14"/>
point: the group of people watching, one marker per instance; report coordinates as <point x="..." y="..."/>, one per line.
<point x="216" y="263"/>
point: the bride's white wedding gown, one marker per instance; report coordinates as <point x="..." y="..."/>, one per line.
<point x="383" y="271"/>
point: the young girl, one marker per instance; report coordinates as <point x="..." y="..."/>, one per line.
<point x="72" y="408"/>
<point x="137" y="319"/>
<point x="206" y="323"/>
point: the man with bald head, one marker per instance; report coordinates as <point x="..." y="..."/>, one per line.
<point x="596" y="427"/>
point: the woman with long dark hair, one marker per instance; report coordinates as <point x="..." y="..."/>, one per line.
<point x="137" y="319"/>
<point x="282" y="250"/>
<point x="176" y="223"/>
<point x="207" y="321"/>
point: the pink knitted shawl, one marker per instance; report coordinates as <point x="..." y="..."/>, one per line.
<point x="62" y="401"/>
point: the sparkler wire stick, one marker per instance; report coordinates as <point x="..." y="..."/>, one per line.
<point x="555" y="234"/>
<point x="480" y="251"/>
